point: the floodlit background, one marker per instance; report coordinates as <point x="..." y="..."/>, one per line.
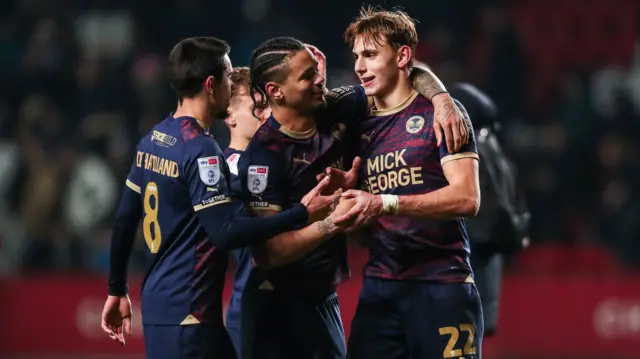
<point x="81" y="81"/>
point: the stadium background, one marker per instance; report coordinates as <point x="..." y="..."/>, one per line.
<point x="80" y="81"/>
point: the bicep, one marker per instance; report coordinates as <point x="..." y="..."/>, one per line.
<point x="463" y="171"/>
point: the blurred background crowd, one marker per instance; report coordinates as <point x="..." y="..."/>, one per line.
<point x="80" y="82"/>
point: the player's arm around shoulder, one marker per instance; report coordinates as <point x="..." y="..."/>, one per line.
<point x="448" y="120"/>
<point x="349" y="101"/>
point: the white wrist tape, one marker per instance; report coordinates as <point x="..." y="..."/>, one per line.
<point x="390" y="203"/>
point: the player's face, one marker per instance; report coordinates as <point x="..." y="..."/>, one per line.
<point x="304" y="86"/>
<point x="241" y="117"/>
<point x="376" y="64"/>
<point x="222" y="88"/>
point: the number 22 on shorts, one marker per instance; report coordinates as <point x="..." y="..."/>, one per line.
<point x="454" y="335"/>
<point x="154" y="239"/>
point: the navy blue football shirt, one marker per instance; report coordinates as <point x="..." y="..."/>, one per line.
<point x="400" y="156"/>
<point x="280" y="166"/>
<point x="178" y="160"/>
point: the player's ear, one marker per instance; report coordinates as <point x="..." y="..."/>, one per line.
<point x="273" y="91"/>
<point x="404" y="56"/>
<point x="210" y="85"/>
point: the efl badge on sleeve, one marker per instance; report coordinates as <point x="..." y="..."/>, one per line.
<point x="257" y="178"/>
<point x="209" y="170"/>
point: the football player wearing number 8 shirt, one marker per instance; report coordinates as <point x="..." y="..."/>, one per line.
<point x="178" y="185"/>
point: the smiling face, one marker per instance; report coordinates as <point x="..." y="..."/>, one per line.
<point x="382" y="44"/>
<point x="378" y="66"/>
<point x="303" y="87"/>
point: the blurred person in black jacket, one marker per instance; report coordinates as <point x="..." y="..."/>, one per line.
<point x="501" y="227"/>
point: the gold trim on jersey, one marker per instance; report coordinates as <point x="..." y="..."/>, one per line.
<point x="190" y="320"/>
<point x="199" y="207"/>
<point x="459" y="156"/>
<point x="299" y="135"/>
<point x="469" y="279"/>
<point x="390" y="111"/>
<point x="133" y="186"/>
<point x="271" y="207"/>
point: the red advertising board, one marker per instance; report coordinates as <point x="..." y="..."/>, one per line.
<point x="544" y="317"/>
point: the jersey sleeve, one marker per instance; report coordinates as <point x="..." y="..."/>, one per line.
<point x="468" y="150"/>
<point x="263" y="180"/>
<point x="348" y="102"/>
<point x="206" y="174"/>
<point x="234" y="179"/>
<point x="134" y="178"/>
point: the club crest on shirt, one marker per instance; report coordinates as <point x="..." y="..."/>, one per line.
<point x="209" y="168"/>
<point x="257" y="177"/>
<point x="415" y="124"/>
<point x="232" y="161"/>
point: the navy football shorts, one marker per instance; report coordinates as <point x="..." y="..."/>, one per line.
<point x="285" y="326"/>
<point x="199" y="341"/>
<point x="416" y="320"/>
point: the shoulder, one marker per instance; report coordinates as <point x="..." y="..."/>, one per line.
<point x="336" y="94"/>
<point x="266" y="138"/>
<point x="202" y="147"/>
<point x="421" y="104"/>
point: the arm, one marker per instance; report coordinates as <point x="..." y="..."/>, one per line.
<point x="461" y="198"/>
<point x="227" y="222"/>
<point x="291" y="246"/>
<point x="128" y="217"/>
<point x="124" y="232"/>
<point x="229" y="225"/>
<point x="428" y="84"/>
<point x="266" y="194"/>
<point x="448" y="118"/>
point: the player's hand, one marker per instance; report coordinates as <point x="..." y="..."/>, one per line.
<point x="368" y="207"/>
<point x="319" y="206"/>
<point x="321" y="58"/>
<point x="448" y="119"/>
<point x="340" y="178"/>
<point x="116" y="318"/>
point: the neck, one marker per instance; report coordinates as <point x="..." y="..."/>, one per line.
<point x="292" y="119"/>
<point x="196" y="108"/>
<point x="401" y="90"/>
<point x="238" y="142"/>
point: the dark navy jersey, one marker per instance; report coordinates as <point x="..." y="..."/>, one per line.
<point x="400" y="156"/>
<point x="280" y="166"/>
<point x="242" y="256"/>
<point x="178" y="170"/>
